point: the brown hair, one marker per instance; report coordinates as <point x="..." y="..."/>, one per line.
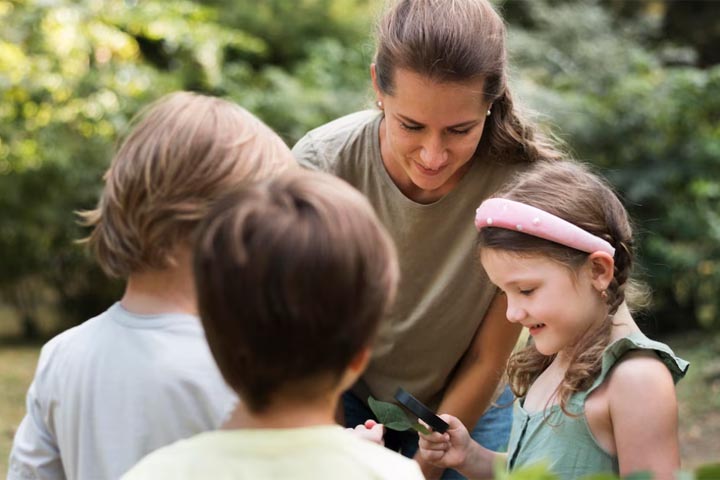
<point x="572" y="192"/>
<point x="458" y="41"/>
<point x="184" y="151"/>
<point x="292" y="276"/>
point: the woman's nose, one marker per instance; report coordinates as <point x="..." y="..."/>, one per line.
<point x="433" y="154"/>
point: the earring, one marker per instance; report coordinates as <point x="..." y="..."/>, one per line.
<point x="488" y="112"/>
<point x="604" y="295"/>
<point x="379" y="104"/>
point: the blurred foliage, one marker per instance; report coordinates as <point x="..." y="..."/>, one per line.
<point x="540" y="471"/>
<point x="653" y="129"/>
<point x="73" y="72"/>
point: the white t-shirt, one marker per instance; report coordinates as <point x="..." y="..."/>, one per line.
<point x="113" y="389"/>
<point x="312" y="453"/>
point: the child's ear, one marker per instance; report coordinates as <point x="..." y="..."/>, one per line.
<point x="355" y="368"/>
<point x="602" y="269"/>
<point x="360" y="360"/>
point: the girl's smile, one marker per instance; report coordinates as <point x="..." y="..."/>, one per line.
<point x="535" y="329"/>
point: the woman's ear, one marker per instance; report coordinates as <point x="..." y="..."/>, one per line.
<point x="602" y="269"/>
<point x="373" y="76"/>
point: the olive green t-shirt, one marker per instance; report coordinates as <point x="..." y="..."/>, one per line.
<point x="444" y="293"/>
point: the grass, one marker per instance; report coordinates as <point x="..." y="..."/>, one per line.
<point x="17" y="366"/>
<point x="698" y="395"/>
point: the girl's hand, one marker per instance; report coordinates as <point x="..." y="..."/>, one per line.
<point x="370" y="430"/>
<point x="449" y="449"/>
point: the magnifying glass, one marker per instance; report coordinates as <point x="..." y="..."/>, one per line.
<point x="417" y="408"/>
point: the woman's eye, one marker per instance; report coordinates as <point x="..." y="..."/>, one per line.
<point x="459" y="132"/>
<point x="412" y="128"/>
<point x="527" y="291"/>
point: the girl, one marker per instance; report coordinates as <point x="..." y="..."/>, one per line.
<point x="596" y="395"/>
<point x="445" y="136"/>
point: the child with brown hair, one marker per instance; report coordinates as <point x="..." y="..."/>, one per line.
<point x="293" y="276"/>
<point x="596" y="395"/>
<point x="140" y="375"/>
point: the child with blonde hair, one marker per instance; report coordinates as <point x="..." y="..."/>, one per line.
<point x="293" y="276"/>
<point x="140" y="375"/>
<point x="595" y="394"/>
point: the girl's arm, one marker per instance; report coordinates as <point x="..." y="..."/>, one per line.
<point x="457" y="450"/>
<point x="644" y="415"/>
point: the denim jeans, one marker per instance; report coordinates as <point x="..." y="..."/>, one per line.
<point x="492" y="431"/>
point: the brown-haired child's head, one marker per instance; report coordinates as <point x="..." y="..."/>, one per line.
<point x="183" y="152"/>
<point x="292" y="277"/>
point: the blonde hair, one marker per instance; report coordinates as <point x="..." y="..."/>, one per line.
<point x="458" y="41"/>
<point x="183" y="152"/>
<point x="571" y="191"/>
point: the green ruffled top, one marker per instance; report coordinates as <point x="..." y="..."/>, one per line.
<point x="565" y="443"/>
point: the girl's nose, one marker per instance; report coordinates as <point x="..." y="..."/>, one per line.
<point x="514" y="313"/>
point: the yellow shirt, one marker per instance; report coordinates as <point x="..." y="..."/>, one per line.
<point x="312" y="453"/>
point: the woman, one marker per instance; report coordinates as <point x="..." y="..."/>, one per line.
<point x="445" y="138"/>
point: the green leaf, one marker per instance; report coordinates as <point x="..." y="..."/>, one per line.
<point x="420" y="428"/>
<point x="389" y="415"/>
<point x="537" y="471"/>
<point x="639" y="476"/>
<point x="707" y="472"/>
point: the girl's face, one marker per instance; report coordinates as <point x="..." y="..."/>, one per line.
<point x="556" y="304"/>
<point x="430" y="132"/>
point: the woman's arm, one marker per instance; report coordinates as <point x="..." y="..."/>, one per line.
<point x="476" y="379"/>
<point x="644" y="416"/>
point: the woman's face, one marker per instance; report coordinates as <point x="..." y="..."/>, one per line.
<point x="430" y="132"/>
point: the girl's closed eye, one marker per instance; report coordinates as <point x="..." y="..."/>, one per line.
<point x="455" y="131"/>
<point x="526" y="291"/>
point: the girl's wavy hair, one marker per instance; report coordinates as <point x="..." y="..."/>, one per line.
<point x="459" y="41"/>
<point x="571" y="191"/>
<point x="184" y="151"/>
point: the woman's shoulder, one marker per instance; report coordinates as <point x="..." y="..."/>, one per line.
<point x="340" y="129"/>
<point x="320" y="147"/>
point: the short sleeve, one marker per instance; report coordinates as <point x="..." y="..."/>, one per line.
<point x="306" y="153"/>
<point x="35" y="453"/>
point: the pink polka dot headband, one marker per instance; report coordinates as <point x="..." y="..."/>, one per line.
<point x="512" y="215"/>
